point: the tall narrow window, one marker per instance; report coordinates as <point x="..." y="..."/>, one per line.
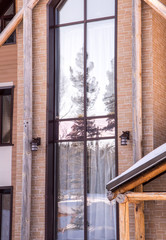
<point x="5" y="213"/>
<point x="84" y="123"/>
<point x="6" y="114"/>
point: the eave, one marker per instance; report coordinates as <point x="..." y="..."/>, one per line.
<point x="141" y="172"/>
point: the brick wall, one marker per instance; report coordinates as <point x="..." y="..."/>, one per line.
<point x="147" y="79"/>
<point x="155" y="213"/>
<point x="124" y="81"/>
<point x="159" y="79"/>
<point x="124" y="87"/>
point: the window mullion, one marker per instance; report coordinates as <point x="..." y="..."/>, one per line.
<point x="85" y="121"/>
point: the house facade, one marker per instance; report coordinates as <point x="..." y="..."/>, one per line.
<point x="82" y="102"/>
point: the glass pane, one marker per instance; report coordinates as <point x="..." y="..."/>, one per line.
<point x="6" y="118"/>
<point x="100" y="68"/>
<point x="71" y="191"/>
<point x="100" y="8"/>
<point x="100" y="127"/>
<point x="71" y="73"/>
<point x="101" y="168"/>
<point x="11" y="39"/>
<point x="71" y="11"/>
<point x="10" y="10"/>
<point x="71" y="130"/>
<point x="5" y="228"/>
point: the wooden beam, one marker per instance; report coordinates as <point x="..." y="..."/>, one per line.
<point x="124" y="221"/>
<point x="27" y="134"/>
<point x="11" y="27"/>
<point x="157" y="6"/>
<point x="136" y="80"/>
<point x="5" y="34"/>
<point x="139" y="217"/>
<point x="145" y="177"/>
<point x="146" y="196"/>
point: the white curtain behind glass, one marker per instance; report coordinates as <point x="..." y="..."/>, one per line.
<point x="101" y="168"/>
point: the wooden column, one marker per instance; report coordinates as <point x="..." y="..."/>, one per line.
<point x="139" y="221"/>
<point x="124" y="221"/>
<point x="139" y="217"/>
<point x="136" y="80"/>
<point x="27" y="135"/>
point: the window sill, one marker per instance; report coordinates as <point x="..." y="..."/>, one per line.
<point x="6" y="144"/>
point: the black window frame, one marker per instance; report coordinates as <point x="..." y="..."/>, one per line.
<point x="5" y="18"/>
<point x="6" y="190"/>
<point x="6" y="91"/>
<point x="50" y="220"/>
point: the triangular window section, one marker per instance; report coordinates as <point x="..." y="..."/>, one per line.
<point x="70" y="11"/>
<point x="84" y="125"/>
<point x="7" y="11"/>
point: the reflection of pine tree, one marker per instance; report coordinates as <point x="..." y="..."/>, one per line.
<point x="109" y="96"/>
<point x="91" y="91"/>
<point x="78" y="130"/>
<point x="110" y="124"/>
<point x="78" y="83"/>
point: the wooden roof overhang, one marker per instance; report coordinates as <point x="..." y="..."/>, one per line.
<point x="141" y="172"/>
<point x="128" y="188"/>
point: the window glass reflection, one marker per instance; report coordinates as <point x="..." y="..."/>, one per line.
<point x="5" y="224"/>
<point x="100" y="72"/>
<point x="71" y="11"/>
<point x="6" y="119"/>
<point x="100" y="8"/>
<point x="101" y="168"/>
<point x="71" y="72"/>
<point x="71" y="191"/>
<point x="10" y="10"/>
<point x="100" y="127"/>
<point x="71" y="130"/>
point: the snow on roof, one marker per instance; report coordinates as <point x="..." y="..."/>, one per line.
<point x="150" y="160"/>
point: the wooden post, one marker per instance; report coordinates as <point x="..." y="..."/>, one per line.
<point x="124" y="221"/>
<point x="27" y="135"/>
<point x="158" y="6"/>
<point x="136" y="80"/>
<point x="139" y="217"/>
<point x="139" y="221"/>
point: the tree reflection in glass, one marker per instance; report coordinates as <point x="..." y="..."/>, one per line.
<point x="71" y="191"/>
<point x="71" y="72"/>
<point x="101" y="33"/>
<point x="109" y="96"/>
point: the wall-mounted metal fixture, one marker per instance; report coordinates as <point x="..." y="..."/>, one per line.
<point x="124" y="137"/>
<point x="35" y="143"/>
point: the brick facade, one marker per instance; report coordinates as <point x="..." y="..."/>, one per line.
<point x="154" y="108"/>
